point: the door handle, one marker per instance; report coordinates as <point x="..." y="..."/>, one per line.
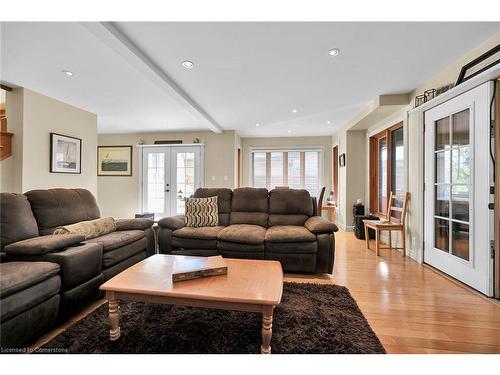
<point x="167" y="191"/>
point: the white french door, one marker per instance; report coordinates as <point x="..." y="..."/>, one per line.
<point x="458" y="176"/>
<point x="169" y="175"/>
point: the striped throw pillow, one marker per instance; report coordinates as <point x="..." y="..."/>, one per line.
<point x="202" y="212"/>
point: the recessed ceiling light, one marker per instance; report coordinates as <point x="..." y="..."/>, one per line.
<point x="294" y="110"/>
<point x="257" y="125"/>
<point x="334" y="52"/>
<point x="328" y="122"/>
<point x="68" y="73"/>
<point x="188" y="64"/>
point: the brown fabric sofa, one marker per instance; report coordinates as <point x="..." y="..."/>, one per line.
<point x="255" y="223"/>
<point x="28" y="221"/>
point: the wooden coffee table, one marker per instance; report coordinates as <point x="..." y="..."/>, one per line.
<point x="250" y="285"/>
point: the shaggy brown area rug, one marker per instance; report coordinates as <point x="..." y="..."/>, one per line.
<point x="311" y="318"/>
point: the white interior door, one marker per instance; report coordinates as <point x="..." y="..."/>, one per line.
<point x="186" y="176"/>
<point x="169" y="175"/>
<point x="458" y="223"/>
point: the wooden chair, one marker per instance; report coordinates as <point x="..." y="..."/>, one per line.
<point x="390" y="224"/>
<point x="320" y="199"/>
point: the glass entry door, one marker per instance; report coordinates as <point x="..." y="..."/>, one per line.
<point x="170" y="174"/>
<point x="458" y="223"/>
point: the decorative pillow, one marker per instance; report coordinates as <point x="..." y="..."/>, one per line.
<point x="89" y="229"/>
<point x="202" y="212"/>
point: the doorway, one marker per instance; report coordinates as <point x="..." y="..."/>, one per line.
<point x="170" y="174"/>
<point x="458" y="174"/>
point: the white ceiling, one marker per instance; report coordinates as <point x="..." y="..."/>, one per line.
<point x="130" y="74"/>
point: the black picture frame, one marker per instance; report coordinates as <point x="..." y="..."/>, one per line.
<point x="53" y="167"/>
<point x="494" y="52"/>
<point x="342" y="160"/>
<point x="116" y="173"/>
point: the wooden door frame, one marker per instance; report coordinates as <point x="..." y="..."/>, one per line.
<point x="374" y="139"/>
<point x="335" y="173"/>
<point x="238" y="168"/>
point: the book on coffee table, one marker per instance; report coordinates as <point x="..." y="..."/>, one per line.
<point x="198" y="267"/>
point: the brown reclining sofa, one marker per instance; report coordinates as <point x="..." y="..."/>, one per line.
<point x="280" y="224"/>
<point x="43" y="275"/>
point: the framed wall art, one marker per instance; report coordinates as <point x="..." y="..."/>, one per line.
<point x="65" y="154"/>
<point x="480" y="64"/>
<point x="114" y="160"/>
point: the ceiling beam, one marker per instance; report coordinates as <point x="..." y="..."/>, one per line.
<point x="115" y="39"/>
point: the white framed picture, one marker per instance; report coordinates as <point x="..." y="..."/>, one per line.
<point x="65" y="154"/>
<point x="114" y="160"/>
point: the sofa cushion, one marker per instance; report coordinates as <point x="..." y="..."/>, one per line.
<point x="292" y="247"/>
<point x="243" y="233"/>
<point x="253" y="218"/>
<point x="202" y="212"/>
<point x="132" y="224"/>
<point x="205" y="233"/>
<point x="292" y="219"/>
<point x="112" y="257"/>
<point x="113" y="240"/>
<point x="53" y="208"/>
<point x="289" y="233"/>
<point x="16" y="276"/>
<point x="193" y="243"/>
<point x="173" y="222"/>
<point x="224" y="197"/>
<point x="17" y="222"/>
<point x="90" y="228"/>
<point x="27" y="298"/>
<point x="318" y="225"/>
<point x="290" y="202"/>
<point x="249" y="206"/>
<point x="249" y="199"/>
<point x="196" y="252"/>
<point x="43" y="244"/>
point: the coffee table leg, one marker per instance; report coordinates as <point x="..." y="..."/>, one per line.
<point x="267" y="330"/>
<point x="114" y="317"/>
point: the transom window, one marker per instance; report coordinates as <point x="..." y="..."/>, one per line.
<point x="297" y="169"/>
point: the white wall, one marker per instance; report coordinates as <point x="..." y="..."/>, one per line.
<point x="32" y="117"/>
<point x="119" y="195"/>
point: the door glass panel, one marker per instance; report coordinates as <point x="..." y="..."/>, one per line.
<point x="461" y="128"/>
<point x="156" y="183"/>
<point x="460" y="167"/>
<point x="460" y="240"/>
<point x="443" y="167"/>
<point x="442" y="129"/>
<point x="276" y="169"/>
<point x="185" y="179"/>
<point x="460" y="202"/>
<point x="442" y="203"/>
<point x="397" y="162"/>
<point x="294" y="169"/>
<point x="441" y="234"/>
<point x="382" y="174"/>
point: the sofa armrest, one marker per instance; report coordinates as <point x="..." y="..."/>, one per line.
<point x="134" y="224"/>
<point x="173" y="222"/>
<point x="43" y="244"/>
<point x="318" y="225"/>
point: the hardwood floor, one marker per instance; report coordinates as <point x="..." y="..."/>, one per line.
<point x="411" y="308"/>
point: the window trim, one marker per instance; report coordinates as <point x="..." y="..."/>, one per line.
<point x="318" y="149"/>
<point x="373" y="141"/>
